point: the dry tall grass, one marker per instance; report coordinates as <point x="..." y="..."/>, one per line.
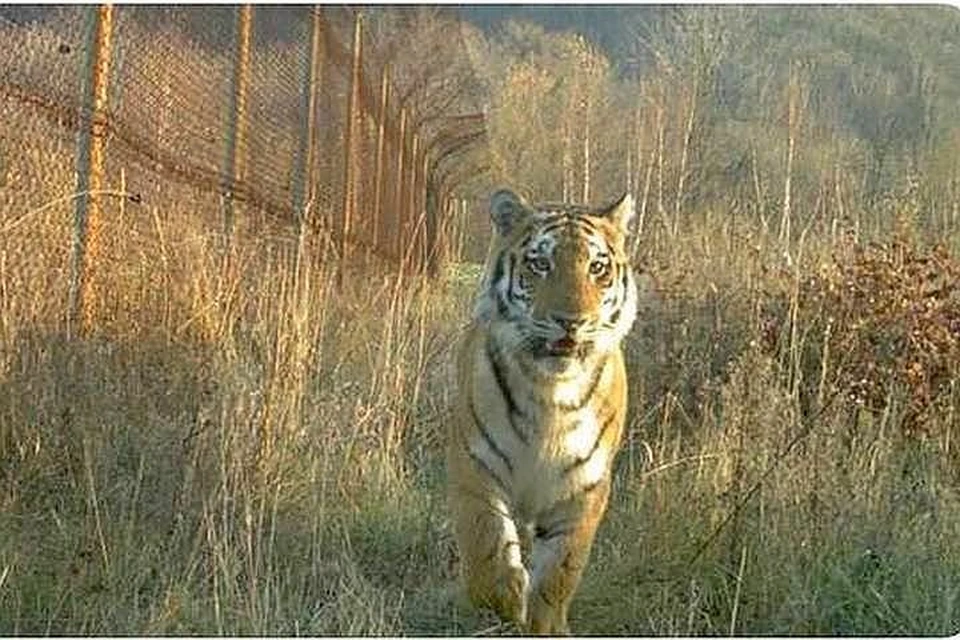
<point x="240" y="448"/>
<point x="223" y="437"/>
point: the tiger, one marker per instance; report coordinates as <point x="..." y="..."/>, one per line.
<point x="541" y="405"/>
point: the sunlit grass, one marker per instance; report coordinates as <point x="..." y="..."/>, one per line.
<point x="240" y="447"/>
<point x="255" y="451"/>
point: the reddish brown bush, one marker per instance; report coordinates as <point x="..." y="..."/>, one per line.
<point x="888" y="315"/>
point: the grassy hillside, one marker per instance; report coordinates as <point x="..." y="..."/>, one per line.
<point x="241" y="447"/>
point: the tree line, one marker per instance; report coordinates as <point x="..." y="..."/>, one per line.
<point x="799" y="117"/>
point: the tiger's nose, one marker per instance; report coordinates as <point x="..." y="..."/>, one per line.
<point x="570" y="324"/>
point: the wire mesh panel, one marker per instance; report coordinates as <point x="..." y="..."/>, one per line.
<point x="40" y="65"/>
<point x="171" y="90"/>
<point x="216" y="121"/>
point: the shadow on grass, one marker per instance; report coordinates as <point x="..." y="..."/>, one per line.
<point x="99" y="477"/>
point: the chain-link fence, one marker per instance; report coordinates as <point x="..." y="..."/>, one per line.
<point x="257" y="119"/>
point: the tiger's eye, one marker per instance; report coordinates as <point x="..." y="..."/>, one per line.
<point x="539" y="264"/>
<point x="598" y="268"/>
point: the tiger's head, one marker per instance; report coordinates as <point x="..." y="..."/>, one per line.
<point x="558" y="287"/>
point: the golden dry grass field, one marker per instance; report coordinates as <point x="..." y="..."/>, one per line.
<point x="239" y="447"/>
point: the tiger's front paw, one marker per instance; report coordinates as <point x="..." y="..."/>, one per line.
<point x="513" y="590"/>
<point x="546" y="618"/>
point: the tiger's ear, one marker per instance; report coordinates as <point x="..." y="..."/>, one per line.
<point x="506" y="209"/>
<point x="621" y="213"/>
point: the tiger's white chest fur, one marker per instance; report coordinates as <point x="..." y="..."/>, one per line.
<point x="549" y="472"/>
<point x="550" y="433"/>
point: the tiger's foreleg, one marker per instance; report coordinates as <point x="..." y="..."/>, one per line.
<point x="490" y="553"/>
<point x="561" y="548"/>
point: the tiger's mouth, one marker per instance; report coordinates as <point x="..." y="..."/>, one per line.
<point x="565" y="347"/>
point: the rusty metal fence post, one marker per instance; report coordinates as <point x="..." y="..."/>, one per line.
<point x="350" y="155"/>
<point x="304" y="189"/>
<point x="420" y="208"/>
<point x="233" y="163"/>
<point x="381" y="152"/>
<point x="398" y="193"/>
<point x="91" y="161"/>
<point x="410" y="206"/>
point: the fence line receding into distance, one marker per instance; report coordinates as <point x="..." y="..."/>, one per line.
<point x="264" y="107"/>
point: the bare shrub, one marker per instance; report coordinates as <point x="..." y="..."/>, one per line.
<point x="881" y="322"/>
